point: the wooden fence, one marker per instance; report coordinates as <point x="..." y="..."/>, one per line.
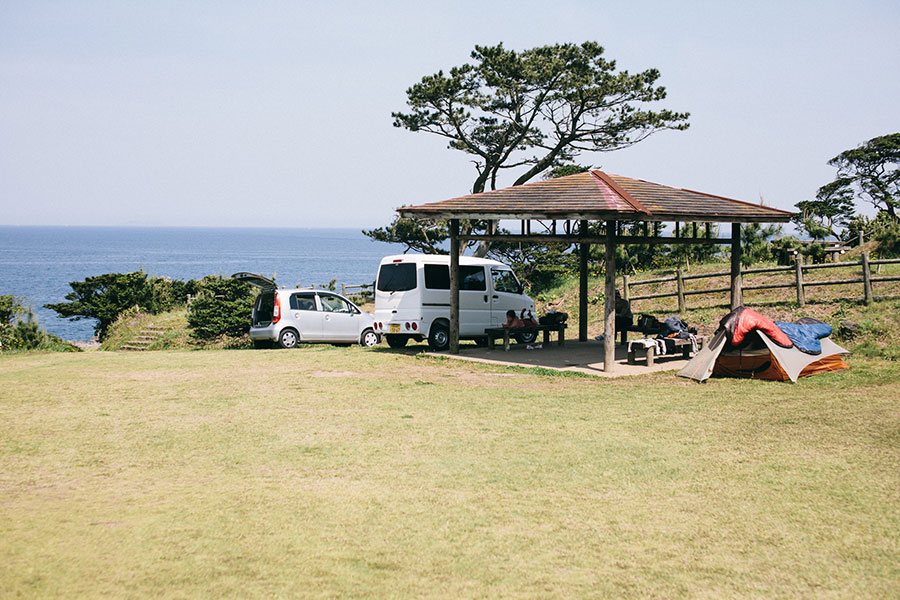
<point x="365" y="292"/>
<point x="361" y="293"/>
<point x="799" y="281"/>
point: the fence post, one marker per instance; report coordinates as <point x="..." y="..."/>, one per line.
<point x="801" y="294"/>
<point x="344" y="290"/>
<point x="626" y="292"/>
<point x="679" y="279"/>
<point x="867" y="278"/>
<point x="737" y="282"/>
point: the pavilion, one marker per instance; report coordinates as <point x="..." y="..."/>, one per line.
<point x="574" y="201"/>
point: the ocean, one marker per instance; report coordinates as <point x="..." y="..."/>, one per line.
<point x="37" y="263"/>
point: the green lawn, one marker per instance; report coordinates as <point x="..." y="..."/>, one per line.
<point x="340" y="472"/>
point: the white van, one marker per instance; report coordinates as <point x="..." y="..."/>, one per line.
<point x="412" y="299"/>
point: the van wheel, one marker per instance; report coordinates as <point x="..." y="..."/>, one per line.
<point x="439" y="337"/>
<point x="526" y="337"/>
<point x="369" y="338"/>
<point x="288" y="339"/>
<point x="396" y="341"/>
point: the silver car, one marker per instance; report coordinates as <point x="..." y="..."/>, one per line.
<point x="290" y="316"/>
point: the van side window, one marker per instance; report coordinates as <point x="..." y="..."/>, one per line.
<point x="437" y="277"/>
<point x="303" y="301"/>
<point x="472" y="278"/>
<point x="397" y="277"/>
<point x="505" y="281"/>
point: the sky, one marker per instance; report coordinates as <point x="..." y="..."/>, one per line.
<point x="278" y="114"/>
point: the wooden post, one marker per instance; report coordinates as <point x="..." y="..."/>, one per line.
<point x="801" y="293"/>
<point x="626" y="290"/>
<point x="867" y="278"/>
<point x="582" y="284"/>
<point x="344" y="290"/>
<point x="679" y="281"/>
<point x="454" y="286"/>
<point x="736" y="280"/>
<point x="609" y="325"/>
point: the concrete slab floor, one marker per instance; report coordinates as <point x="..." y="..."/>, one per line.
<point x="583" y="357"/>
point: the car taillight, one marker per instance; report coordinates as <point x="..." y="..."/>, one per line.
<point x="415" y="326"/>
<point x="276" y="311"/>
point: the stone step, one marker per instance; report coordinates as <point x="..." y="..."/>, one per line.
<point x="144" y="339"/>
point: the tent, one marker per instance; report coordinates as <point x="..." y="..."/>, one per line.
<point x="750" y="345"/>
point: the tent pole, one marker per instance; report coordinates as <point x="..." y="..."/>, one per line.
<point x="454" y="286"/>
<point x="609" y="326"/>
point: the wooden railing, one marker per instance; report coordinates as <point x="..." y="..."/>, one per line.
<point x="365" y="292"/>
<point x="799" y="281"/>
<point x="359" y="293"/>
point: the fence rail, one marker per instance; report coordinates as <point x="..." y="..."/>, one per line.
<point x="799" y="282"/>
<point x="365" y="292"/>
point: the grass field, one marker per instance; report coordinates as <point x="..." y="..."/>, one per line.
<point x="340" y="472"/>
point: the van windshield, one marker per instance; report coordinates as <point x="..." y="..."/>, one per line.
<point x="397" y="277"/>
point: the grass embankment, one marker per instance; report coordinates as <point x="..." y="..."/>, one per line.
<point x="335" y="472"/>
<point x="170" y="332"/>
<point x="877" y="334"/>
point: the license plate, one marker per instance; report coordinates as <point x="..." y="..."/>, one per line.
<point x="395" y="328"/>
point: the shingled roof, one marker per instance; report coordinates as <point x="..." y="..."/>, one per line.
<point x="596" y="195"/>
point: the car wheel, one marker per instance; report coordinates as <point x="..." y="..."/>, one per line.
<point x="526" y="337"/>
<point x="288" y="339"/>
<point x="439" y="337"/>
<point x="396" y="341"/>
<point x="369" y="338"/>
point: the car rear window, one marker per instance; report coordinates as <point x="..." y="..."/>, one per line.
<point x="397" y="277"/>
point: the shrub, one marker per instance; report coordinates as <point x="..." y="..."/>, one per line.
<point x="19" y="330"/>
<point x="887" y="234"/>
<point x="223" y="306"/>
<point x="104" y="297"/>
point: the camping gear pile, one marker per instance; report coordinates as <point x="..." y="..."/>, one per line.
<point x="748" y="344"/>
<point x="668" y="331"/>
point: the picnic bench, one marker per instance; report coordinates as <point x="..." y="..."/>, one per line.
<point x="650" y="352"/>
<point x="643" y="331"/>
<point x="507" y="332"/>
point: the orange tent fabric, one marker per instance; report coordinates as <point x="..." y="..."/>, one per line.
<point x="759" y="364"/>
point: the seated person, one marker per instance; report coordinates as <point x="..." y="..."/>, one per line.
<point x="624" y="318"/>
<point x="514" y="322"/>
